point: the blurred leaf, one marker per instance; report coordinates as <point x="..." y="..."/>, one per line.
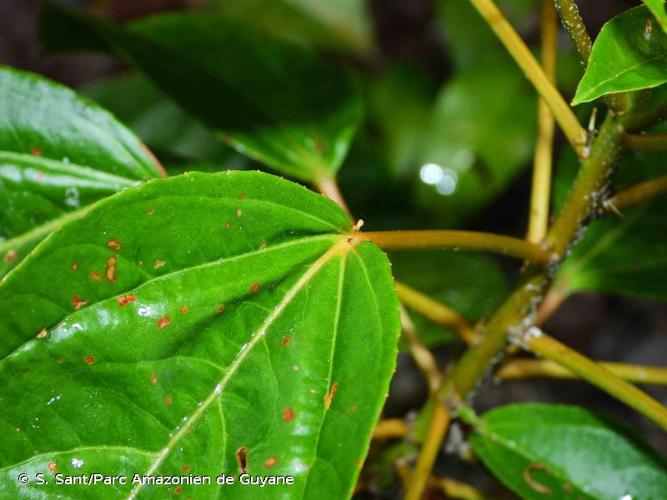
<point x="619" y="255"/>
<point x="628" y="54"/>
<point x="480" y="137"/>
<point x="156" y="119"/>
<point x="58" y="153"/>
<point x="548" y="451"/>
<point x="470" y="40"/>
<point x="657" y="7"/>
<point x="470" y="284"/>
<point x="277" y="103"/>
<point x="334" y="24"/>
<point x="233" y="315"/>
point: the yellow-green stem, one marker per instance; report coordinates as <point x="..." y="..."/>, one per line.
<point x="458" y="240"/>
<point x="637" y="194"/>
<point x="599" y="376"/>
<point x="522" y="55"/>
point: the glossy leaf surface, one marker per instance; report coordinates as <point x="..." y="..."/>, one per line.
<point x="187" y="319"/>
<point x="630" y="53"/>
<point x="549" y="451"/>
<point x="657" y="8"/>
<point x="58" y="153"/>
<point x="275" y="102"/>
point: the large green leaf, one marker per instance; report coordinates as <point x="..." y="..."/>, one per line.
<point x="619" y="254"/>
<point x="275" y="102"/>
<point x="234" y="312"/>
<point x="657" y="7"/>
<point x="335" y="24"/>
<point x="630" y="53"/>
<point x="548" y="451"/>
<point x="58" y="153"/>
<point x="477" y="142"/>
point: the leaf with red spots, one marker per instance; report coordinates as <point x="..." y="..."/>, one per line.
<point x="59" y="153"/>
<point x="274" y="101"/>
<point x="187" y="362"/>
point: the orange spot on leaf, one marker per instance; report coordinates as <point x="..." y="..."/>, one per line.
<point x="53" y="467"/>
<point x="270" y="462"/>
<point x="242" y="459"/>
<point x="42" y="333"/>
<point x="89" y="360"/>
<point x="95" y="276"/>
<point x="75" y="267"/>
<point x="158" y="263"/>
<point x="285" y="340"/>
<point x="111" y="269"/>
<point x="178" y="490"/>
<point x="254" y="288"/>
<point x="153" y="378"/>
<point x="163" y="322"/>
<point x="114" y="245"/>
<point x="10" y="256"/>
<point x="78" y="302"/>
<point x="185" y="468"/>
<point x="228" y="225"/>
<point x="184" y="309"/>
<point x="328" y="399"/>
<point x="150" y="210"/>
<point x="288" y="415"/>
<point x="126" y="299"/>
<point x="220" y="308"/>
<point x="168" y="400"/>
<point x="242" y="196"/>
<point x="36" y="151"/>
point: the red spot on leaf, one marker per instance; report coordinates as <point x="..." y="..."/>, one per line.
<point x="110" y="272"/>
<point x="178" y="490"/>
<point x="328" y="399"/>
<point x="95" y="276"/>
<point x="78" y="302"/>
<point x="185" y="468"/>
<point x="254" y="288"/>
<point x="285" y="340"/>
<point x="288" y="415"/>
<point x="36" y="151"/>
<point x="168" y="400"/>
<point x="153" y="378"/>
<point x="10" y="256"/>
<point x="126" y="299"/>
<point x="89" y="360"/>
<point x="42" y="333"/>
<point x="114" y="245"/>
<point x="270" y="462"/>
<point x="163" y="322"/>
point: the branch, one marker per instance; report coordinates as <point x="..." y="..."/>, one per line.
<point x="575" y="27"/>
<point x="544" y="368"/>
<point x="646" y="142"/>
<point x="391" y="428"/>
<point x="637" y="194"/>
<point x="457" y="240"/>
<point x="422" y="357"/>
<point x="568" y="122"/>
<point x="599" y="376"/>
<point x="542" y="162"/>
<point x="435" y="311"/>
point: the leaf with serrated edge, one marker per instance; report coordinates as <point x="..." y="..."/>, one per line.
<point x="239" y="313"/>
<point x="59" y="153"/>
<point x="553" y="451"/>
<point x="630" y="53"/>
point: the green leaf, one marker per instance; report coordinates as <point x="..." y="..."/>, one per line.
<point x="59" y="152"/>
<point x="657" y="7"/>
<point x="468" y="283"/>
<point x="232" y="313"/>
<point x="161" y="124"/>
<point x="628" y="54"/>
<point x="619" y="255"/>
<point x="549" y="451"/>
<point x="477" y="143"/>
<point x="277" y="103"/>
<point x="335" y="24"/>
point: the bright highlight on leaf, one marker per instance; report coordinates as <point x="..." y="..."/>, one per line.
<point x="552" y="451"/>
<point x="241" y="315"/>
<point x="59" y="153"/>
<point x="275" y="102"/>
<point x="630" y="53"/>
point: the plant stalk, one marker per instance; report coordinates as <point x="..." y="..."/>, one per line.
<point x="637" y="194"/>
<point x="646" y="142"/>
<point x="457" y="240"/>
